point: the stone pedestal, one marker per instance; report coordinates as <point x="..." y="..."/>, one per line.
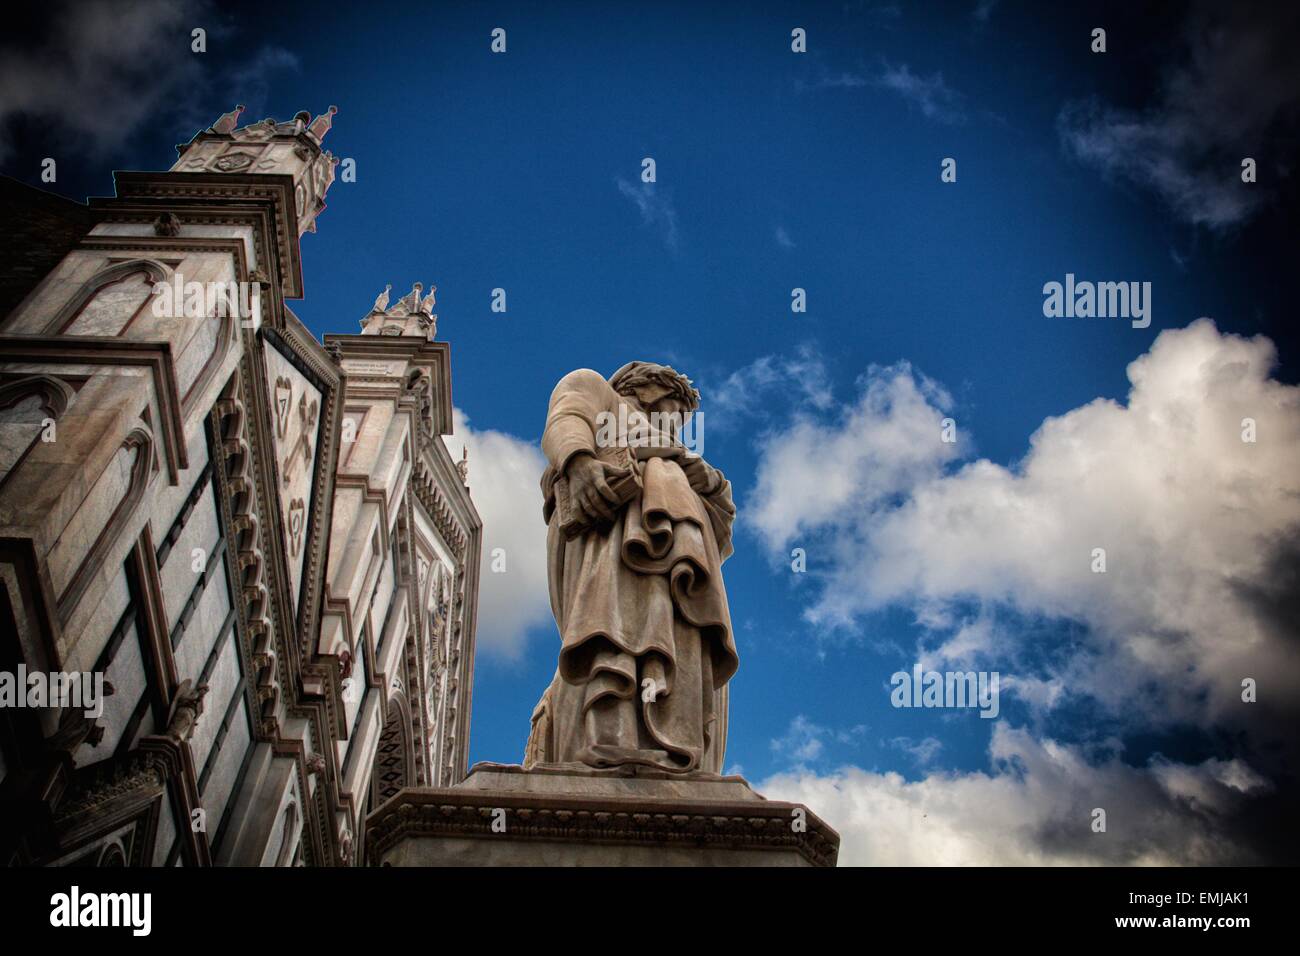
<point x="503" y="815"/>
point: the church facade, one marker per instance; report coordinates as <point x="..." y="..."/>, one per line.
<point x="238" y="566"/>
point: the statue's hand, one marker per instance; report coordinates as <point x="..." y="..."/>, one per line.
<point x="589" y="489"/>
<point x="698" y="474"/>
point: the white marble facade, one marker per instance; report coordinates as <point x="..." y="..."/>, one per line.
<point x="260" y="542"/>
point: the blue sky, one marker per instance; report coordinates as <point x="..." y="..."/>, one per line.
<point x="821" y="171"/>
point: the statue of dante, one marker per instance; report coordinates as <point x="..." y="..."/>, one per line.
<point x="638" y="528"/>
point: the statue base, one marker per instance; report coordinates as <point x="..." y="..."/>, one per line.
<point x="504" y="815"/>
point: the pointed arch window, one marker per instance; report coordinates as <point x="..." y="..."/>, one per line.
<point x="26" y="405"/>
<point x="110" y="302"/>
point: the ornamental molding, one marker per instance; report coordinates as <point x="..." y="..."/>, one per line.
<point x="241" y="511"/>
<point x="425" y="486"/>
<point x="142" y="775"/>
<point x="273" y="291"/>
<point x="266" y="199"/>
<point x="434" y="358"/>
<point x="167" y="246"/>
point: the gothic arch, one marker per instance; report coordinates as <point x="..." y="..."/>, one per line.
<point x="154" y="271"/>
<point x="289" y="834"/>
<point x="55" y="394"/>
<point x="225" y="337"/>
<point x="112" y="855"/>
<point x="139" y="445"/>
<point x="395" y="756"/>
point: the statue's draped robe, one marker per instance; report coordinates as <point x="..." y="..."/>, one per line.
<point x="640" y="600"/>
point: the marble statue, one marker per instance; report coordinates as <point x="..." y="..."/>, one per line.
<point x="638" y="528"/>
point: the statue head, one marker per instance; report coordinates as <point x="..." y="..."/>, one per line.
<point x="657" y="388"/>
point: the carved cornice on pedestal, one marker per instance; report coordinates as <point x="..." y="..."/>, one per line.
<point x="584" y="820"/>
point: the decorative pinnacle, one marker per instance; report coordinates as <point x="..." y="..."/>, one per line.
<point x="321" y="124"/>
<point x="226" y="124"/>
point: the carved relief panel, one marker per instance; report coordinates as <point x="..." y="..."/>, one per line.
<point x="296" y="416"/>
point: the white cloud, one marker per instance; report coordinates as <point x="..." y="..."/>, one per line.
<point x="505" y="484"/>
<point x="1035" y="808"/>
<point x="105" y="69"/>
<point x="656" y="208"/>
<point x="1237" y="83"/>
<point x="1199" y="529"/>
<point x="814" y="475"/>
<point x="1201" y="589"/>
<point x="100" y="73"/>
<point x="749" y="391"/>
<point x="804" y="742"/>
<point x="783" y="238"/>
<point x="930" y="94"/>
<point x="921" y="751"/>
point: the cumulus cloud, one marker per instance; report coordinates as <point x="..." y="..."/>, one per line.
<point x="815" y="474"/>
<point x="1232" y="96"/>
<point x="1199" y="528"/>
<point x="505" y="484"/>
<point x="1201" y="589"/>
<point x="656" y="208"/>
<point x="103" y="70"/>
<point x="1036" y="807"/>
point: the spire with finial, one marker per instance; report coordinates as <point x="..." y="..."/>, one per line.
<point x="427" y="305"/>
<point x="381" y="300"/>
<point x="321" y="124"/>
<point x="411" y="301"/>
<point x="226" y="124"/>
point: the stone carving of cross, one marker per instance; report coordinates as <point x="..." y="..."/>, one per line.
<point x="307" y="415"/>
